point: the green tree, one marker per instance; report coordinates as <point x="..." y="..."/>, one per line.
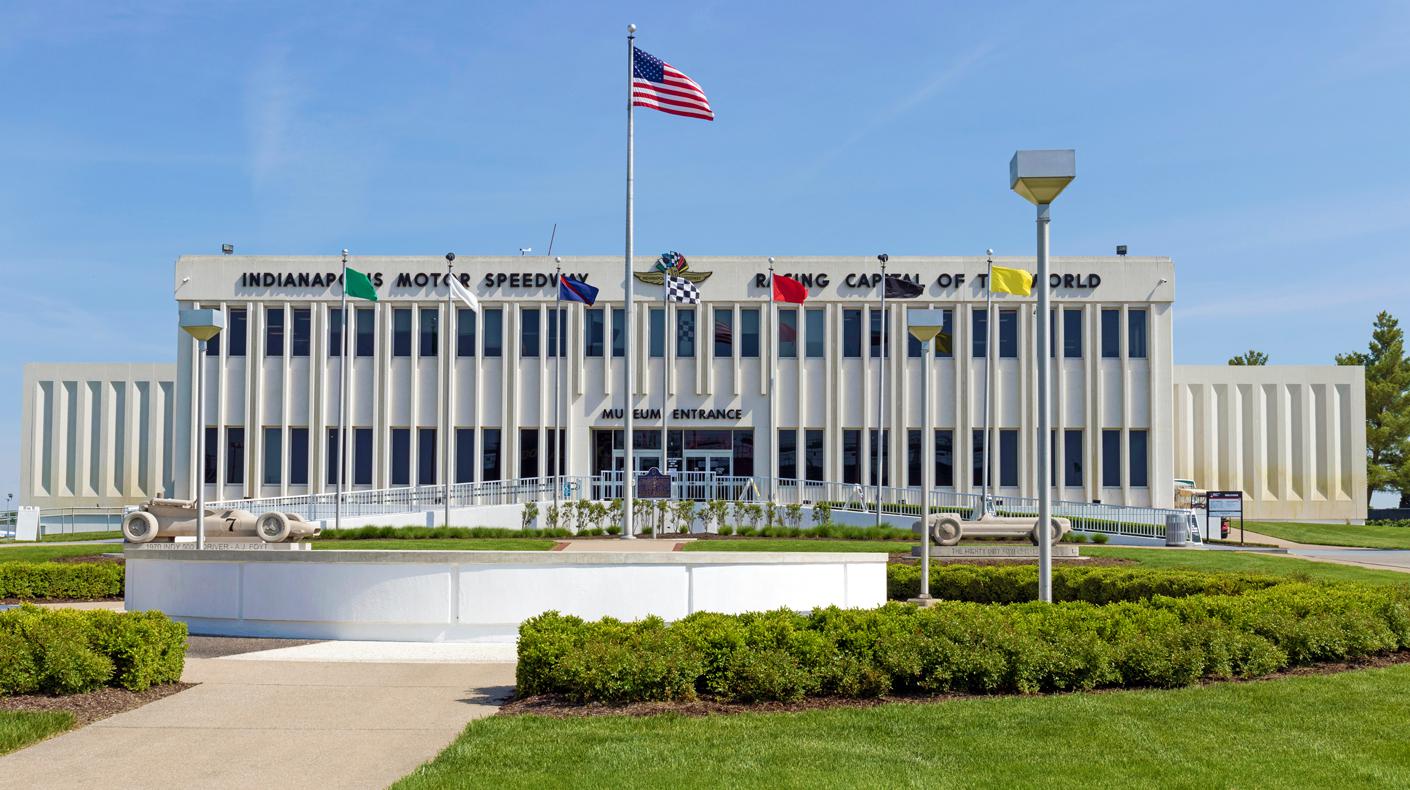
<point x="1387" y="405"/>
<point x="1250" y="357"/>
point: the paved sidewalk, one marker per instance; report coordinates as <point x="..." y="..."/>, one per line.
<point x="272" y="724"/>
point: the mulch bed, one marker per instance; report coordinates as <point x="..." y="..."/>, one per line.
<point x="93" y="705"/>
<point x="557" y="707"/>
<point x="90" y="558"/>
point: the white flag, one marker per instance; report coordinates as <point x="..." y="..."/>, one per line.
<point x="460" y="292"/>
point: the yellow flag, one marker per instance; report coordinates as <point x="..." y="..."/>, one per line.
<point x="1011" y="281"/>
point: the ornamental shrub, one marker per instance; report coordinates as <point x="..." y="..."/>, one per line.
<point x="1118" y="628"/>
<point x="66" y="651"/>
<point x="37" y="581"/>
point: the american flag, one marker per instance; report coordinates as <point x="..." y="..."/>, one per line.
<point x="657" y="85"/>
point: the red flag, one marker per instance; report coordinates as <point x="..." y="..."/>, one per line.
<point x="787" y="289"/>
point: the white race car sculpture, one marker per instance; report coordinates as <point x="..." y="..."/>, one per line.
<point x="946" y="529"/>
<point x="170" y="518"/>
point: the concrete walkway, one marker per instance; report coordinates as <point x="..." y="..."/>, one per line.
<point x="272" y="724"/>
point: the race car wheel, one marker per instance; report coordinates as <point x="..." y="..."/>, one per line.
<point x="139" y="527"/>
<point x="946" y="530"/>
<point x="272" y="527"/>
<point x="1054" y="534"/>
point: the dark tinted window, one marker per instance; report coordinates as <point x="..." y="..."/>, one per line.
<point x="298" y="456"/>
<point x="1111" y="458"/>
<point x="1072" y="334"/>
<point x="851" y="333"/>
<point x="235" y="456"/>
<point x="884" y="462"/>
<point x="529" y="332"/>
<point x="274" y="331"/>
<point x="1008" y="334"/>
<point x="619" y="332"/>
<point x="301" y="334"/>
<point x="333" y="453"/>
<point x="366" y="331"/>
<point x="426" y="456"/>
<point x="788" y="333"/>
<point x="593" y="338"/>
<point x="815" y="332"/>
<point x="401" y="332"/>
<point x="235" y="333"/>
<point x="1008" y="457"/>
<point x="749" y="333"/>
<point x="528" y="452"/>
<point x="657" y="328"/>
<point x="877" y="330"/>
<point x="335" y="331"/>
<point x="555" y="320"/>
<point x="491" y="468"/>
<point x="813" y="454"/>
<point x="464" y="332"/>
<point x="724" y="332"/>
<point x="914" y="461"/>
<point x="401" y="456"/>
<point x="944" y="458"/>
<point x="1136" y="333"/>
<point x="978" y="458"/>
<point x="494" y="332"/>
<point x="212" y="455"/>
<point x="464" y="455"/>
<point x="1072" y="457"/>
<point x="273" y="456"/>
<point x="430" y="326"/>
<point x="685" y="332"/>
<point x="362" y="456"/>
<point x="788" y="453"/>
<point x="1139" y="459"/>
<point x="979" y="332"/>
<point x="851" y="456"/>
<point x="1111" y="333"/>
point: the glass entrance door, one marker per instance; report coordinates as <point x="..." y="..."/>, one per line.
<point x="721" y="462"/>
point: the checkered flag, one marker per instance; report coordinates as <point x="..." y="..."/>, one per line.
<point x="679" y="289"/>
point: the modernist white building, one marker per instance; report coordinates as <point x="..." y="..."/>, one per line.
<point x="1126" y="425"/>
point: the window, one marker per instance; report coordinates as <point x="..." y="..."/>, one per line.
<point x="464" y="455"/>
<point x="494" y="332"/>
<point x="235" y="456"/>
<point x="212" y="346"/>
<point x="1136" y="333"/>
<point x="852" y="333"/>
<point x="556" y="321"/>
<point x="426" y="456"/>
<point x="749" y="332"/>
<point x="1072" y="457"/>
<point x="742" y="446"/>
<point x="335" y="331"/>
<point x="490" y="470"/>
<point x="212" y="456"/>
<point x="235" y="335"/>
<point x="1111" y="333"/>
<point x="978" y="460"/>
<point x="619" y="332"/>
<point x="877" y="332"/>
<point x="914" y="460"/>
<point x="1111" y="458"/>
<point x="813" y="454"/>
<point x="593" y="337"/>
<point x="788" y="333"/>
<point x="401" y="332"/>
<point x="274" y="331"/>
<point x="464" y="332"/>
<point x="979" y="332"/>
<point x="852" y="456"/>
<point x="884" y="462"/>
<point x="301" y="336"/>
<point x="551" y="447"/>
<point x="362" y="456"/>
<point x="430" y="326"/>
<point x="273" y="456"/>
<point x="815" y="330"/>
<point x="529" y="333"/>
<point x="366" y="331"/>
<point x="1139" y="459"/>
<point x="1008" y="456"/>
<point x="401" y="456"/>
<point x="788" y="453"/>
<point x="944" y="458"/>
<point x="1052" y="332"/>
<point x="1008" y="334"/>
<point x="528" y="452"/>
<point x="656" y="322"/>
<point x="1072" y="333"/>
<point x="685" y="332"/>
<point x="298" y="456"/>
<point x="333" y="454"/>
<point x="724" y="332"/>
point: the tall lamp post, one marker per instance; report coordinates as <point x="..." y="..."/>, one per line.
<point x="924" y="325"/>
<point x="202" y="325"/>
<point x="1039" y="177"/>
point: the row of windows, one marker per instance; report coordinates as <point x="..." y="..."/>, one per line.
<point x="812" y="456"/>
<point x="533" y="327"/>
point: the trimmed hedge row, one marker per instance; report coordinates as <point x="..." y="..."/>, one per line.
<point x="960" y="646"/>
<point x="37" y="581"/>
<point x="67" y="651"/>
<point x="425" y="533"/>
<point x="1099" y="585"/>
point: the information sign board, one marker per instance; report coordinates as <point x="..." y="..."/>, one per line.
<point x="652" y="484"/>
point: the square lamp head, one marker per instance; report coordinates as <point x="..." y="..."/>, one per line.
<point x="202" y="324"/>
<point x="924" y="325"/>
<point x="1040" y="176"/>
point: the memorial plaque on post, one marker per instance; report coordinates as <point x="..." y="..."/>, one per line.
<point x="652" y="484"/>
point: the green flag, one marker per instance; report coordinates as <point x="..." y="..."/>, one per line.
<point x="357" y="285"/>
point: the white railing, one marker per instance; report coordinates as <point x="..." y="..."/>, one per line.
<point x="1145" y="522"/>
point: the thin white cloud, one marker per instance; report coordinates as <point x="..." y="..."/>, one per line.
<point x="271" y="99"/>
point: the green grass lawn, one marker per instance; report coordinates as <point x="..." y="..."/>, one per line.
<point x="1342" y="730"/>
<point x="799" y="544"/>
<point x="21" y="728"/>
<point x="1357" y="535"/>
<point x="1246" y="562"/>
<point x="36" y="552"/>
<point x="438" y="544"/>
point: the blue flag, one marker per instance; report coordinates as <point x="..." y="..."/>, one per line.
<point x="571" y="290"/>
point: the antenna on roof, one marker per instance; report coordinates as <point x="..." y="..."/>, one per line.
<point x="551" y="237"/>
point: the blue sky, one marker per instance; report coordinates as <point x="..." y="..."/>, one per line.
<point x="1263" y="149"/>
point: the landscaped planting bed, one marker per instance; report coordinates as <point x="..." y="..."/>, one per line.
<point x="62" y="581"/>
<point x="68" y="651"/>
<point x="1118" y="628"/>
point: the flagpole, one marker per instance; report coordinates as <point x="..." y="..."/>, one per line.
<point x="773" y="382"/>
<point x="447" y="410"/>
<point x="627" y="460"/>
<point x="881" y="390"/>
<point x="989" y="351"/>
<point x="665" y="380"/>
<point x="558" y="388"/>
<point x="342" y="403"/>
